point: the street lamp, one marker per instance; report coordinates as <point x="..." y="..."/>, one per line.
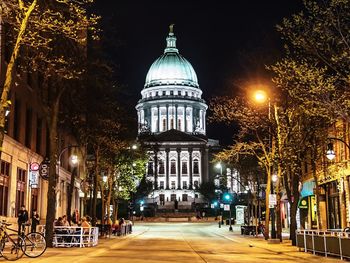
<point x="330" y="154"/>
<point x="218" y="184"/>
<point x="260" y="96"/>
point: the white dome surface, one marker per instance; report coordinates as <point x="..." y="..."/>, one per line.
<point x="171" y="68"/>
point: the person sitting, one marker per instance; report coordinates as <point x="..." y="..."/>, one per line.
<point x="85" y="225"/>
<point x="115" y="227"/>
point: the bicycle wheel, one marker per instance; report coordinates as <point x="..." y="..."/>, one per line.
<point x="35" y="245"/>
<point x="13" y="246"/>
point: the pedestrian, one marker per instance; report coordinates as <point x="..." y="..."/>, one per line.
<point x="35" y="221"/>
<point x="22" y="219"/>
<point x="65" y="221"/>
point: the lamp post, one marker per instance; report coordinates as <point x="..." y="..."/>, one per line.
<point x="218" y="185"/>
<point x="261" y="96"/>
<point x="73" y="161"/>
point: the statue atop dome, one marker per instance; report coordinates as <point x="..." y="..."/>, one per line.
<point x="171" y="29"/>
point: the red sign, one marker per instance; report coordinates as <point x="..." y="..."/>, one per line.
<point x="34" y="166"/>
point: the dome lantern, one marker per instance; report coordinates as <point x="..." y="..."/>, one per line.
<point x="171" y="41"/>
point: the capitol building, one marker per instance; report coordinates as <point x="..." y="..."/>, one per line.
<point x="172" y="125"/>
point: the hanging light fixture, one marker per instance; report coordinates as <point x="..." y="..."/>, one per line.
<point x="330" y="154"/>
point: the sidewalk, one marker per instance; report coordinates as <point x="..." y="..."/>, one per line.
<point x="63" y="254"/>
<point x="285" y="247"/>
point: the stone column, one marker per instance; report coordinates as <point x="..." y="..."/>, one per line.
<point x="158" y="122"/>
<point x="167" y="167"/>
<point x="167" y="117"/>
<point x="178" y="150"/>
<point x="176" y="120"/>
<point x="204" y="124"/>
<point x="155" y="169"/>
<point x="190" y="150"/>
<point x="185" y="118"/>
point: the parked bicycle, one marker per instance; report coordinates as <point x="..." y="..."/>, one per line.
<point x="35" y="243"/>
<point x="12" y="246"/>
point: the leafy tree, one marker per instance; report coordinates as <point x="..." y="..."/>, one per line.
<point x="207" y="189"/>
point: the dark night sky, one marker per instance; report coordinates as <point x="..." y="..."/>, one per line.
<point x="226" y="42"/>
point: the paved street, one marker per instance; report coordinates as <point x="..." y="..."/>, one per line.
<point x="180" y="242"/>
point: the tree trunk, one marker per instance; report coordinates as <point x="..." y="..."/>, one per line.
<point x="109" y="196"/>
<point x="317" y="195"/>
<point x="103" y="204"/>
<point x="293" y="209"/>
<point x="70" y="195"/>
<point x="51" y="193"/>
<point x="114" y="206"/>
<point x="267" y="204"/>
<point x="94" y="201"/>
<point x="278" y="212"/>
<point x="4" y="103"/>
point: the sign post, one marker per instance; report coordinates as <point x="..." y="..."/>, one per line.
<point x="44" y="169"/>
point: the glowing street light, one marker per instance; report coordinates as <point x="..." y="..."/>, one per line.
<point x="260" y="96"/>
<point x="330" y="154"/>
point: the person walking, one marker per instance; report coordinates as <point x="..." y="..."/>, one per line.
<point x="22" y="219"/>
<point x="35" y="221"/>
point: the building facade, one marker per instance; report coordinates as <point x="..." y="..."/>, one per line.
<point x="25" y="146"/>
<point x="172" y="125"/>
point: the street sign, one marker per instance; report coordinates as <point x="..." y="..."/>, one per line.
<point x="34" y="179"/>
<point x="226" y="207"/>
<point x="44" y="169"/>
<point x="34" y="166"/>
<point x="272" y="199"/>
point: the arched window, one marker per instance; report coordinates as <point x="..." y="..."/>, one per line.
<point x="164" y="125"/>
<point x="171" y="123"/>
<point x="173" y="167"/>
<point x="161" y="167"/>
<point x="179" y="124"/>
<point x="184" y="168"/>
<point x="195" y="167"/>
<point x="150" y="168"/>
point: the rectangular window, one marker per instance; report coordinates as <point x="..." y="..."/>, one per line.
<point x="172" y="184"/>
<point x="16" y="124"/>
<point x="196" y="184"/>
<point x="184" y="184"/>
<point x="39" y="128"/>
<point x="172" y="197"/>
<point x="4" y="187"/>
<point x="161" y="169"/>
<point x="161" y="184"/>
<point x="28" y="125"/>
<point x="184" y="197"/>
<point x="21" y="187"/>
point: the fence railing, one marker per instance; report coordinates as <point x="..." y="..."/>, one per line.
<point x="326" y="242"/>
<point x="70" y="236"/>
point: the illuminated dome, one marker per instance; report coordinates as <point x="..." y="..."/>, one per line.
<point x="171" y="68"/>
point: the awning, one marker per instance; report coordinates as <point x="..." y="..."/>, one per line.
<point x="307" y="189"/>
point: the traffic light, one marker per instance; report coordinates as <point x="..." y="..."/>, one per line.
<point x="227" y="197"/>
<point x="141" y="205"/>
